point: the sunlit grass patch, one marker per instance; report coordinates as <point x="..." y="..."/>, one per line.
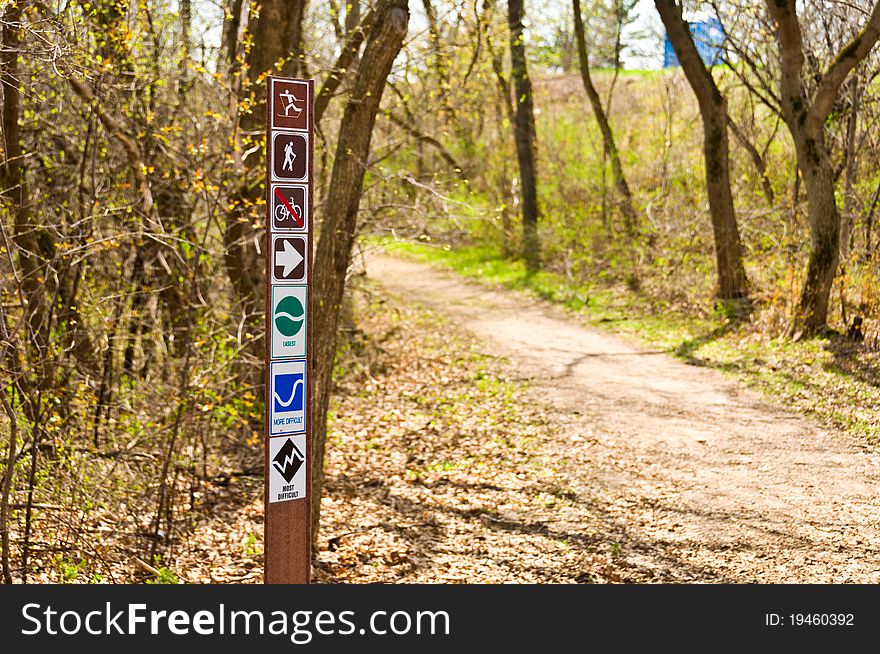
<point x="812" y="375"/>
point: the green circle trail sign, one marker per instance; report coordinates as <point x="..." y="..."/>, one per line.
<point x="289" y="321"/>
<point x="290" y="316"/>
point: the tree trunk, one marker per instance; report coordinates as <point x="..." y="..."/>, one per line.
<point x="277" y="34"/>
<point x="625" y="201"/>
<point x="524" y="133"/>
<point x="805" y="115"/>
<point x="439" y="61"/>
<point x="352" y="15"/>
<point x="732" y="280"/>
<point x="811" y="314"/>
<point x="503" y="182"/>
<point x="347" y="60"/>
<point x="8" y="474"/>
<point x="340" y="216"/>
<point x="231" y="27"/>
<point x="852" y="167"/>
<point x="728" y="247"/>
<point x="35" y="247"/>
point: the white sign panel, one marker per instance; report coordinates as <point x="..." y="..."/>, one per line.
<point x="287" y="409"/>
<point x="287" y="468"/>
<point x="289" y="321"/>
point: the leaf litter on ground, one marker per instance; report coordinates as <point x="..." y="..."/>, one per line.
<point x="438" y="470"/>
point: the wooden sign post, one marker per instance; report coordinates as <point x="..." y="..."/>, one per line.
<point x="289" y="154"/>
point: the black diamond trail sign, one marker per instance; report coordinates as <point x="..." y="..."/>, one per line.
<point x="288" y="460"/>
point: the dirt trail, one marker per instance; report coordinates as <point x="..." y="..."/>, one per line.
<point x="697" y="477"/>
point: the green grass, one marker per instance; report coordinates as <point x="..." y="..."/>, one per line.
<point x="653" y="322"/>
<point x="627" y="72"/>
<point x="804" y="374"/>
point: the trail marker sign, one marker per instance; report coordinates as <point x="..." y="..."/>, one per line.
<point x="287" y="473"/>
<point x="289" y="207"/>
<point x="290" y="156"/>
<point x="289" y="259"/>
<point x="291" y="103"/>
<point x="288" y="396"/>
<point x="289" y="321"/>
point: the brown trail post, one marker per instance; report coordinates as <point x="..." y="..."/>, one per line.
<point x="288" y="395"/>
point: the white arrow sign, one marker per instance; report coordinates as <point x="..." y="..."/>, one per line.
<point x="289" y="257"/>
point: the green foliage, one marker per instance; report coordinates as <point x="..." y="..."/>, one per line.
<point x="251" y="547"/>
<point x="69" y="571"/>
<point x="131" y="344"/>
<point x="164" y="576"/>
<point x="133" y="348"/>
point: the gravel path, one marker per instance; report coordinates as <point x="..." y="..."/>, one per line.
<point x="696" y="477"/>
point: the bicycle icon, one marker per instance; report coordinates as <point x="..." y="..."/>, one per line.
<point x="283" y="215"/>
<point x="290" y="206"/>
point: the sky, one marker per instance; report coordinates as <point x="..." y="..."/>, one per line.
<point x="643" y="36"/>
<point x="645" y="52"/>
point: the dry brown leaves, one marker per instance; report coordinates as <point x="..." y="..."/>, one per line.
<point x="438" y="470"/>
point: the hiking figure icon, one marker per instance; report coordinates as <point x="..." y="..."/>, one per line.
<point x="289" y="157"/>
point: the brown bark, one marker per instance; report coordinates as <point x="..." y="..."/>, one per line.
<point x="183" y="84"/>
<point x="347" y="59"/>
<point x="231" y="26"/>
<point x="340" y="216"/>
<point x="14" y="182"/>
<point x="352" y="15"/>
<point x="185" y="28"/>
<point x="852" y="164"/>
<point x="8" y="474"/>
<point x="805" y="118"/>
<point x="277" y="34"/>
<point x="524" y="134"/>
<point x="625" y="201"/>
<point x="441" y="68"/>
<point x="503" y="182"/>
<point x="732" y="280"/>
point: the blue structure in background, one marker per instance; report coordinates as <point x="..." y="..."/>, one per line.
<point x="708" y="37"/>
